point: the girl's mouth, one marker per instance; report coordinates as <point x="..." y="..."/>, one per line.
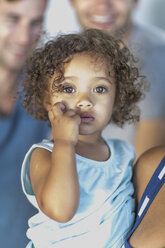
<point x="86" y="118"/>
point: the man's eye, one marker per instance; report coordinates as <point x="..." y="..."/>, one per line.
<point x="68" y="90"/>
<point x="37" y="23"/>
<point x="12" y="19"/>
<point x="100" y="89"/>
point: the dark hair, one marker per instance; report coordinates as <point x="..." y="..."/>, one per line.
<point x="51" y="58"/>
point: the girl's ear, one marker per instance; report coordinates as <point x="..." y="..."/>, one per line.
<point x="46" y="102"/>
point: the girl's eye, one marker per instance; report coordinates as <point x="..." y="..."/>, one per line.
<point x="100" y="89"/>
<point x="68" y="90"/>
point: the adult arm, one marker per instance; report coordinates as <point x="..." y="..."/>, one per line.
<point x="150" y="232"/>
<point x="149" y="133"/>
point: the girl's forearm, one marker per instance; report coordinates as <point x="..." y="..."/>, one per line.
<point x="60" y="196"/>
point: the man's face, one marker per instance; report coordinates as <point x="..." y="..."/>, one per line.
<point x="111" y="16"/>
<point x="20" y="27"/>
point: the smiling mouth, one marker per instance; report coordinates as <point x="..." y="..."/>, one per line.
<point x="103" y="20"/>
<point x="86" y="118"/>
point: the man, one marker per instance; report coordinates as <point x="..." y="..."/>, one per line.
<point x="20" y="28"/>
<point x="148" y="44"/>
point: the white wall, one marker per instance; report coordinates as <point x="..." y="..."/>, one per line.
<point x="60" y="17"/>
<point x="152" y="12"/>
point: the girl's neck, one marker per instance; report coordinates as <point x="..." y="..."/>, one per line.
<point x="90" y="138"/>
<point x="93" y="148"/>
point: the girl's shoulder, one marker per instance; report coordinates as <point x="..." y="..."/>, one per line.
<point x="120" y="144"/>
<point x="45" y="146"/>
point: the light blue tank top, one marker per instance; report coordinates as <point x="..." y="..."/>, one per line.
<point x="106" y="208"/>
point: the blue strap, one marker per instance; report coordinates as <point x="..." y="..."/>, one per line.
<point x="152" y="189"/>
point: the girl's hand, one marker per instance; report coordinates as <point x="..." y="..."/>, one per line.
<point x="65" y="123"/>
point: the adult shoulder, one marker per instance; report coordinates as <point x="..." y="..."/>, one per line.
<point x="145" y="168"/>
<point x="149" y="32"/>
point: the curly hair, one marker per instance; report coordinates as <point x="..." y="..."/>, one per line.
<point x="52" y="57"/>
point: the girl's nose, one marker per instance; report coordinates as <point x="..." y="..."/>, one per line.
<point x="84" y="103"/>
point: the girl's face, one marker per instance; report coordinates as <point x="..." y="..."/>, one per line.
<point x="89" y="91"/>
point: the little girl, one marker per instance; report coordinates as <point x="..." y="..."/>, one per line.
<point x="79" y="181"/>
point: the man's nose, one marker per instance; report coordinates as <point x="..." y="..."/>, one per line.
<point x="103" y="4"/>
<point x="23" y="35"/>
